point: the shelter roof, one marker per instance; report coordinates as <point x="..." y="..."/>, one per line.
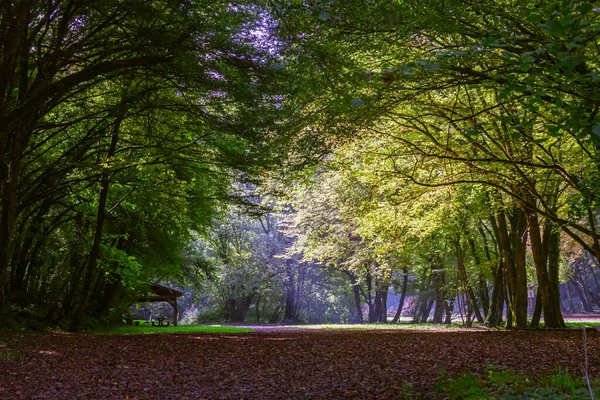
<point x="165" y="291"/>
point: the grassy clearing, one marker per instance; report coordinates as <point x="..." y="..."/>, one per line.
<point x="580" y="324"/>
<point x="420" y="327"/>
<point x="146" y="329"/>
<point x="455" y="326"/>
<point x="405" y="324"/>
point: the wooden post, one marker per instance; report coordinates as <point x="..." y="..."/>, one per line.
<point x="175" y="311"/>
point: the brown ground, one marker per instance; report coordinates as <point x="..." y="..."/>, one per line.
<point x="273" y="365"/>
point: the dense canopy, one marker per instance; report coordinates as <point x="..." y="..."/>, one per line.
<point x="300" y="161"/>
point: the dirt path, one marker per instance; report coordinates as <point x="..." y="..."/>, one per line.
<point x="273" y="365"/>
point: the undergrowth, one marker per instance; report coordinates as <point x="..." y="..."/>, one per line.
<point x="503" y="384"/>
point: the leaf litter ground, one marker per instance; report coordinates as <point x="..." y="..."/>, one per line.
<point x="287" y="364"/>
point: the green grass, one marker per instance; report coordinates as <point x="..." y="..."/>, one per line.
<point x="463" y="387"/>
<point x="403" y="326"/>
<point x="502" y="384"/>
<point x="146" y="329"/>
<point x="13" y="355"/>
<point x="580" y="324"/>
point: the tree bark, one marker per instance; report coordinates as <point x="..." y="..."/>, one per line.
<point x="101" y="215"/>
<point x="383" y="300"/>
<point x="10" y="169"/>
<point x="584" y="303"/>
<point x="476" y="308"/>
<point x="466" y="290"/>
<point x="291" y="302"/>
<point x="358" y="318"/>
<point x="238" y="308"/>
<point x="513" y="248"/>
<point x="375" y="312"/>
<point x="449" y="309"/>
<point x="494" y="317"/>
<point x="550" y="305"/>
<point x="402" y="296"/>
<point x="537" y="311"/>
<point x="437" y="274"/>
<point x="483" y="293"/>
<point x="553" y="269"/>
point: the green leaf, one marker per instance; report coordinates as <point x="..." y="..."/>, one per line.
<point x="585" y="7"/>
<point x="527" y="57"/>
<point x="554" y="131"/>
<point x="490" y="41"/>
<point x="594" y="75"/>
<point x="554" y="27"/>
<point x="535" y="18"/>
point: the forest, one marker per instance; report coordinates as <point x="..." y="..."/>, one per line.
<point x="298" y="161"/>
<point x="281" y="163"/>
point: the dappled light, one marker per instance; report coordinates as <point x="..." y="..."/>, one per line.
<point x="49" y="352"/>
<point x="299" y="199"/>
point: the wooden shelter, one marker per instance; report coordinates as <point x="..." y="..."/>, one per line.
<point x="163" y="293"/>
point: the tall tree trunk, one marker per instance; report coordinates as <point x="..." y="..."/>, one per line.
<point x="484" y="295"/>
<point x="550" y="305"/>
<point x="424" y="301"/>
<point x="257" y="309"/>
<point x="593" y="271"/>
<point x="513" y="246"/>
<point x="494" y="317"/>
<point x="482" y="288"/>
<point x="238" y="308"/>
<point x="402" y="296"/>
<point x="476" y="308"/>
<point x="15" y="127"/>
<point x="358" y="318"/>
<point x="580" y="277"/>
<point x="437" y="274"/>
<point x="291" y="306"/>
<point x="427" y="309"/>
<point x="23" y="254"/>
<point x="369" y="297"/>
<point x="449" y="309"/>
<point x="275" y="316"/>
<point x="375" y="311"/>
<point x="110" y="292"/>
<point x="553" y="269"/>
<point x="571" y="305"/>
<point x="11" y="153"/>
<point x="584" y="303"/>
<point x="463" y="282"/>
<point x="101" y="215"/>
<point x="383" y="300"/>
<point x="537" y="311"/>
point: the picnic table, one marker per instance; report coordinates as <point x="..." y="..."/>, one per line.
<point x="160" y="321"/>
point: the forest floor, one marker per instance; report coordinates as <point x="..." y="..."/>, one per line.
<point x="278" y="364"/>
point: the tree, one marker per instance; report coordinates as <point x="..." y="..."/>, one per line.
<point x="487" y="99"/>
<point x="111" y="111"/>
